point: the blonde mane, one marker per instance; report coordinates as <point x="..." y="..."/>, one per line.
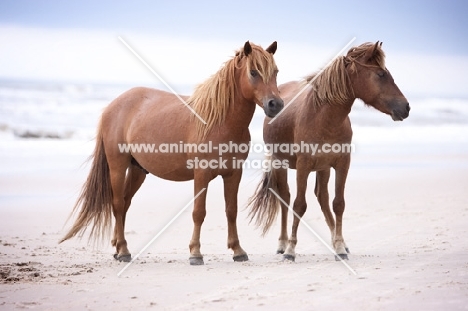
<point x="331" y="85"/>
<point x="213" y="98"/>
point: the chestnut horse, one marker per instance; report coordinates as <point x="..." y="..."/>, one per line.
<point x="226" y="102"/>
<point x="320" y="116"/>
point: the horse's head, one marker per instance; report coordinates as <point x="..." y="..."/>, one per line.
<point x="257" y="77"/>
<point x="372" y="82"/>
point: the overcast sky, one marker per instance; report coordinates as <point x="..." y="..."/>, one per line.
<point x="186" y="41"/>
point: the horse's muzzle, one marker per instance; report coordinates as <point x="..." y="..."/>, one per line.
<point x="401" y="113"/>
<point x="273" y="106"/>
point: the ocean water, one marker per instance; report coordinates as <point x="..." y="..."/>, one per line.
<point x="70" y="111"/>
<point x="52" y="110"/>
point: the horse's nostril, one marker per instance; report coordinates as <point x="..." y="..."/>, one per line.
<point x="271" y="103"/>
<point x="408" y="108"/>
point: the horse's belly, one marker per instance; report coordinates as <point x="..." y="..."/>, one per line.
<point x="178" y="174"/>
<point x="320" y="162"/>
<point x="167" y="166"/>
<point x="316" y="162"/>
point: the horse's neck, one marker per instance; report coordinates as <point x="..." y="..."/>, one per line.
<point x="241" y="111"/>
<point x="240" y="114"/>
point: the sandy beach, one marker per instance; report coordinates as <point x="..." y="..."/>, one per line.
<point x="406" y="216"/>
<point x="405" y="224"/>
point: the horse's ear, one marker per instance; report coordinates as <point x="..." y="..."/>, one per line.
<point x="247" y="48"/>
<point x="371" y="51"/>
<point x="272" y="48"/>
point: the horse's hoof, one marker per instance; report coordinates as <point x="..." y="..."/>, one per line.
<point x="342" y="256"/>
<point x="196" y="261"/>
<point x="123" y="258"/>
<point x="240" y="258"/>
<point x="347" y="250"/>
<point x="280" y="251"/>
<point x="289" y="257"/>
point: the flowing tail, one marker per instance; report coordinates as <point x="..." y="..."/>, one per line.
<point x="264" y="205"/>
<point x="94" y="205"/>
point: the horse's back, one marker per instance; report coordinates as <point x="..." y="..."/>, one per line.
<point x="141" y="107"/>
<point x="141" y="98"/>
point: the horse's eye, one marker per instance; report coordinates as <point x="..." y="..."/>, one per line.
<point x="381" y="74"/>
<point x="254" y="73"/>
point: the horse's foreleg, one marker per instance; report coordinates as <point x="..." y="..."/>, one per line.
<point x="338" y="208"/>
<point x="300" y="206"/>
<point x="231" y="187"/>
<point x="201" y="180"/>
<point x="283" y="191"/>
<point x="321" y="191"/>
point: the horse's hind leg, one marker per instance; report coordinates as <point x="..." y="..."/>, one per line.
<point x="231" y="187"/>
<point x="283" y="191"/>
<point x="118" y="167"/>
<point x="135" y="178"/>
<point x="299" y="207"/>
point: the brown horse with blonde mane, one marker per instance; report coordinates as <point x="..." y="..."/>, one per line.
<point x="226" y="102"/>
<point x="319" y="116"/>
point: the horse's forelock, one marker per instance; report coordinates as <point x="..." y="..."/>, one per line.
<point x="355" y="53"/>
<point x="262" y="61"/>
